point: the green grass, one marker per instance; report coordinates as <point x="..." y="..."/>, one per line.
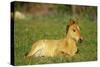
<point x="34" y="28"/>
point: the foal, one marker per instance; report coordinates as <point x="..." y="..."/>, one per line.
<point x="51" y="48"/>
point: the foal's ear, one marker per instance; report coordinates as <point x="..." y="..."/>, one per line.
<point x="72" y="22"/>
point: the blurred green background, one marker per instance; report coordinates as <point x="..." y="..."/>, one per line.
<point x="35" y="21"/>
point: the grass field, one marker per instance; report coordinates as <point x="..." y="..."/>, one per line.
<point x="34" y="28"/>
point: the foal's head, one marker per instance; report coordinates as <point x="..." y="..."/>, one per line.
<point x="73" y="31"/>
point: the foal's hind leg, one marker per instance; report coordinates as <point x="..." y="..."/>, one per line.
<point x="30" y="53"/>
<point x="33" y="50"/>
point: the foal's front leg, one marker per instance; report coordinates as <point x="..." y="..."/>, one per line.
<point x="68" y="53"/>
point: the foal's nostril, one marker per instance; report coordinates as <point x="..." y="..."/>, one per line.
<point x="80" y="40"/>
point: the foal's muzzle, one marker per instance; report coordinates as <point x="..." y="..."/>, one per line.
<point x="81" y="39"/>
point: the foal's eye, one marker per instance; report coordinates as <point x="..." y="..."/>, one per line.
<point x="74" y="30"/>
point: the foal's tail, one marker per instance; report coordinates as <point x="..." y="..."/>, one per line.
<point x="35" y="50"/>
<point x="32" y="52"/>
<point x="26" y="54"/>
<point x="29" y="54"/>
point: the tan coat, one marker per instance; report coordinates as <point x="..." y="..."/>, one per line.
<point x="50" y="48"/>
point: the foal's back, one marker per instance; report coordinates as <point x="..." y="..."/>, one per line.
<point x="45" y="48"/>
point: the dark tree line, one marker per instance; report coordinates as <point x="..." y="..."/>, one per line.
<point x="45" y="8"/>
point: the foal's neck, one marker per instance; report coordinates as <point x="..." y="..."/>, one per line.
<point x="69" y="40"/>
